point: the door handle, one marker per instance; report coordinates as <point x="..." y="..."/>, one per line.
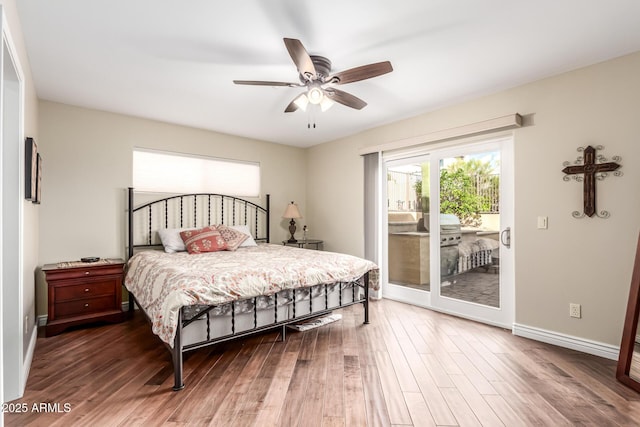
<point x="505" y="237"/>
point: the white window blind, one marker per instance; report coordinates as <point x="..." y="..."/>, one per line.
<point x="166" y="172"/>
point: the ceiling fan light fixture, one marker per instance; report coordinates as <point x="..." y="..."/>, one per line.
<point x="302" y="101"/>
<point x="326" y="103"/>
<point x="315" y="95"/>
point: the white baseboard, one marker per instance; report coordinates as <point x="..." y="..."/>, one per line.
<point x="26" y="367"/>
<point x="42" y="320"/>
<point x="567" y="341"/>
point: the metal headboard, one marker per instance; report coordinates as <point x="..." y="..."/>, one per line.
<point x="193" y="211"/>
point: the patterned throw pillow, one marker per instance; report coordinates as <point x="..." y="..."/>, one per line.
<point x="234" y="238"/>
<point x="207" y="239"/>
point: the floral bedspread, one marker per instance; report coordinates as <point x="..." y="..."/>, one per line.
<point x="163" y="283"/>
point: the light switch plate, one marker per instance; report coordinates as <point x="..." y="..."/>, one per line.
<point x="543" y="222"/>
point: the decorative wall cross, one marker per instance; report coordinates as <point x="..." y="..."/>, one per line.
<point x="586" y="169"/>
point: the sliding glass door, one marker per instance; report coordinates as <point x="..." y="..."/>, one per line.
<point x="408" y="253"/>
<point x="460" y="259"/>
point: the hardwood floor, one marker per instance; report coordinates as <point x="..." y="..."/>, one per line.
<point x="410" y="366"/>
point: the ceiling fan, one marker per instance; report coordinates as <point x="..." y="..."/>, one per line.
<point x="315" y="75"/>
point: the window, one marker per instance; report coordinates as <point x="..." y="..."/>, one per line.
<point x="167" y="172"/>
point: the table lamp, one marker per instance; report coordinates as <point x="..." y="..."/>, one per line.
<point x="292" y="213"/>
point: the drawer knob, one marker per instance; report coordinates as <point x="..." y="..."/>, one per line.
<point x="86" y="290"/>
<point x="87" y="272"/>
<point x="86" y="305"/>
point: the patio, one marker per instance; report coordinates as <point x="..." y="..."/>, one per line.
<point x="480" y="286"/>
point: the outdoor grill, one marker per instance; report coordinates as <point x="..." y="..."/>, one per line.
<point x="450" y="233"/>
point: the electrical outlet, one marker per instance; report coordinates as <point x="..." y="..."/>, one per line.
<point x="575" y="310"/>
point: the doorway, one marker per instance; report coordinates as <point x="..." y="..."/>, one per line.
<point x="12" y="324"/>
<point x="459" y="260"/>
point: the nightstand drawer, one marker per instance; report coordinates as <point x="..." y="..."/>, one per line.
<point x="84" y="306"/>
<point x="86" y="290"/>
<point x="82" y="273"/>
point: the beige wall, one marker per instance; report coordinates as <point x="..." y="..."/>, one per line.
<point x="88" y="157"/>
<point x="88" y="165"/>
<point x="586" y="261"/>
<point x="30" y="211"/>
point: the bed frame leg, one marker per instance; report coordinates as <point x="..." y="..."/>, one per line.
<point x="365" y="279"/>
<point x="176" y="355"/>
<point x="283" y="335"/>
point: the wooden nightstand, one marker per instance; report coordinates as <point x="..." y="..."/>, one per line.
<point x="82" y="293"/>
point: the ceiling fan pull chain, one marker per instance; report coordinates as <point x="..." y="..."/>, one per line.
<point x="313" y="112"/>
<point x="311" y="117"/>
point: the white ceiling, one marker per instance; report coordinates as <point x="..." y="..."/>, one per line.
<point x="174" y="61"/>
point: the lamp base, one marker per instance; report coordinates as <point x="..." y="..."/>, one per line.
<point x="292" y="230"/>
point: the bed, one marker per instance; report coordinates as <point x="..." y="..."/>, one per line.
<point x="202" y="299"/>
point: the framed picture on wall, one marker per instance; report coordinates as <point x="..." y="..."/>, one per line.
<point x="31" y="168"/>
<point x="38" y="197"/>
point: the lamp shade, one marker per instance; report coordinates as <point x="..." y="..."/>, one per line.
<point x="315" y="95"/>
<point x="302" y="101"/>
<point x="291" y="211"/>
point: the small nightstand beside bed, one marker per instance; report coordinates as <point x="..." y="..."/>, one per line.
<point x="200" y="299"/>
<point x="83" y="292"/>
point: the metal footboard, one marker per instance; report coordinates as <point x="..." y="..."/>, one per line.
<point x="179" y="349"/>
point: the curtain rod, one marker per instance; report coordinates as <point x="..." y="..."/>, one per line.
<point x="510" y="121"/>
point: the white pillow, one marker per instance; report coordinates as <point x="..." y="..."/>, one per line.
<point x="171" y="240"/>
<point x="245" y="230"/>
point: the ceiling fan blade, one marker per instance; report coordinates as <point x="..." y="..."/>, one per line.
<point x="361" y="73"/>
<point x="292" y="106"/>
<point x="265" y="83"/>
<point x="301" y="58"/>
<point x="345" y="98"/>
